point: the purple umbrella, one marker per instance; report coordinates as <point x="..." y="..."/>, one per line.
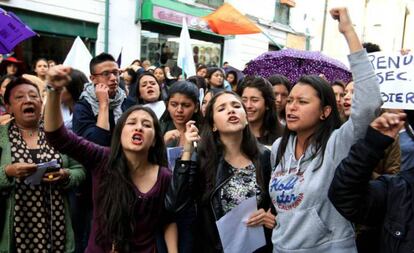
<point x="12" y="31"/>
<point x="294" y="63"/>
<point x="239" y="74"/>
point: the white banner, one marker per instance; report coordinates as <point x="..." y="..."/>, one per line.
<point x="395" y="74"/>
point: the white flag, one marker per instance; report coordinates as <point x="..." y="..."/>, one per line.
<point x="185" y="53"/>
<point x="79" y="57"/>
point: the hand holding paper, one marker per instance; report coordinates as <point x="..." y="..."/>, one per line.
<point x="235" y="235"/>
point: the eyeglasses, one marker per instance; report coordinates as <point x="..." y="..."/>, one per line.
<point x="107" y="74"/>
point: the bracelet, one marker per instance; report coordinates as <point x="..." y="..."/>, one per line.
<point x="50" y="88"/>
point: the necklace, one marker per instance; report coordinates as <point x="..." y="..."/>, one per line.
<point x="30" y="132"/>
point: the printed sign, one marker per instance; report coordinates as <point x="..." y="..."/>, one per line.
<point x="172" y="155"/>
<point x="395" y="74"/>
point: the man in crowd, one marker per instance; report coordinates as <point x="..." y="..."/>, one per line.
<point x="99" y="108"/>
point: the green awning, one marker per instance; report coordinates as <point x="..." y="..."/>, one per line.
<point x="155" y="14"/>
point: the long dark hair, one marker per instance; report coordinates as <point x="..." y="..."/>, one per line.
<point x="211" y="149"/>
<point x="325" y="128"/>
<point x="235" y="81"/>
<point x="189" y="90"/>
<point x="280" y="80"/>
<point x="138" y="95"/>
<point x="271" y="129"/>
<point x="76" y="84"/>
<point x="199" y="81"/>
<point x="116" y="198"/>
<point x="210" y="72"/>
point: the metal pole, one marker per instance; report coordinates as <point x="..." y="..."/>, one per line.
<point x="106" y="40"/>
<point x="365" y="21"/>
<point x="407" y="12"/>
<point x="324" y="25"/>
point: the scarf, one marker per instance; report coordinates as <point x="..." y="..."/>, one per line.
<point x="114" y="103"/>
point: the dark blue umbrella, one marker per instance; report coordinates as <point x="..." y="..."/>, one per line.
<point x="12" y="31"/>
<point x="294" y="63"/>
<point x="239" y="74"/>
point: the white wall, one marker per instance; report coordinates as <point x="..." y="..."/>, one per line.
<point x="409" y="39"/>
<point x="88" y="10"/>
<point x="306" y="17"/>
<point x="123" y="32"/>
<point x="243" y="48"/>
<point x="385" y="21"/>
<point x="381" y="23"/>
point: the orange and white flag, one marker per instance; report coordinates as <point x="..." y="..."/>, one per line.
<point x="227" y="20"/>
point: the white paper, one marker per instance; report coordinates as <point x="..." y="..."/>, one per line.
<point x="157" y="107"/>
<point x="235" y="235"/>
<point x="395" y="73"/>
<point x="36" y="177"/>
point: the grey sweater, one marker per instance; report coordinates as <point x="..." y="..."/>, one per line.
<point x="306" y="219"/>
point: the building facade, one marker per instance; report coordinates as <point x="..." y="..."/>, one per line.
<point x="388" y="23"/>
<point x="149" y="29"/>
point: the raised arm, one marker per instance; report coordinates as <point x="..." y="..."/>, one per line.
<point x="346" y="28"/>
<point x="366" y="100"/>
<point x="87" y="153"/>
<point x="57" y="78"/>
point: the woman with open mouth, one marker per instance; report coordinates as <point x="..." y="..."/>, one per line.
<point x="228" y="167"/>
<point x="33" y="204"/>
<point x="129" y="179"/>
<point x="313" y="144"/>
<point x="148" y="93"/>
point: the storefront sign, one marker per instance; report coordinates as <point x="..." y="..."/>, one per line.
<point x="171" y="16"/>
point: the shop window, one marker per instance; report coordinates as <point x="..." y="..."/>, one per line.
<point x="212" y="3"/>
<point x="282" y="12"/>
<point x="162" y="50"/>
<point x="49" y="46"/>
<point x="273" y="47"/>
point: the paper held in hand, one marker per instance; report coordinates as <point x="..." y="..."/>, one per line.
<point x="235" y="235"/>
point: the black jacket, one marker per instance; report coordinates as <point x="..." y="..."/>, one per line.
<point x="184" y="192"/>
<point x="387" y="201"/>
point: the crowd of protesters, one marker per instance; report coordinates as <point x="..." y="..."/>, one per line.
<point x="329" y="170"/>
